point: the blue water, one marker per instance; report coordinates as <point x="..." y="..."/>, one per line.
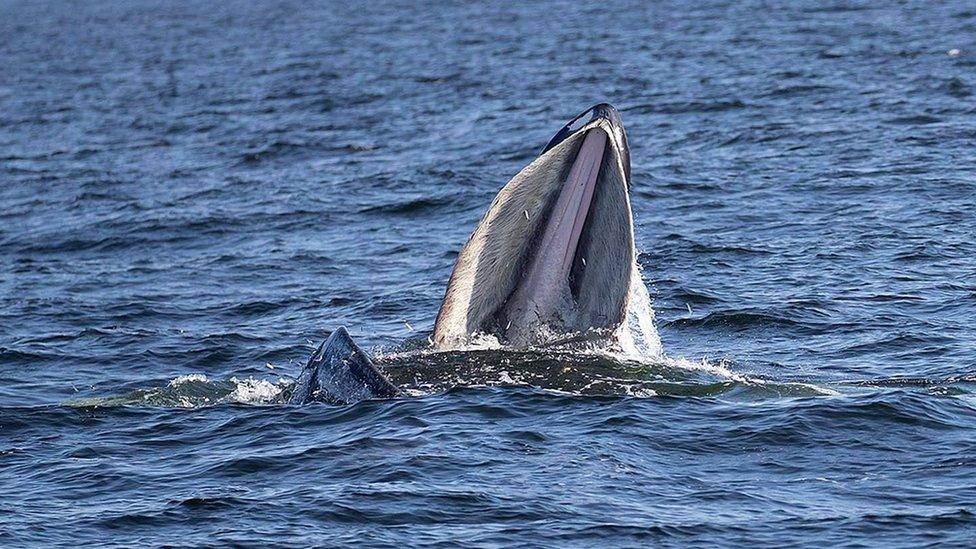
<point x="192" y="196"/>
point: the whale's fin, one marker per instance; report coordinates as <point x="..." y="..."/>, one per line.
<point x="339" y="372"/>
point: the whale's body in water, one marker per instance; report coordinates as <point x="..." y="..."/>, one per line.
<point x="552" y="263"/>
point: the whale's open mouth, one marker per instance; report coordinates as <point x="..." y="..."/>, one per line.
<point x="554" y="255"/>
<point x="547" y="273"/>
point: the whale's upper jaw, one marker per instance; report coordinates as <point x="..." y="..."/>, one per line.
<point x="599" y="112"/>
<point x="554" y="255"/>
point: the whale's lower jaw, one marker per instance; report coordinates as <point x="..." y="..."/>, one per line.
<point x="553" y="258"/>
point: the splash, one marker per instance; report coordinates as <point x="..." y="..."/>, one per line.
<point x="256" y="391"/>
<point x="638" y="336"/>
<point x="197" y="390"/>
<point x="188" y="378"/>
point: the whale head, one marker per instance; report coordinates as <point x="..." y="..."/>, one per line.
<point x="553" y="258"/>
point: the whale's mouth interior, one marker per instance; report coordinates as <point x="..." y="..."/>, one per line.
<point x="546" y="275"/>
<point x="570" y="278"/>
<point x="560" y="242"/>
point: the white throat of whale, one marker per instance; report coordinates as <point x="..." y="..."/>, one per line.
<point x="553" y="258"/>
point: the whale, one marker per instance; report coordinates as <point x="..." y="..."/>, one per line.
<point x="552" y="263"/>
<point x="554" y="255"/>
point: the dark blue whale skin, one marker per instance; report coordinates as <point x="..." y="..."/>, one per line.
<point x="339" y="372"/>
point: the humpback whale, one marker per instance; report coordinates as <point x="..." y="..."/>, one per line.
<point x="551" y="263"/>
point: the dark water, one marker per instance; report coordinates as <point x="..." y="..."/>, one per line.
<point x="192" y="195"/>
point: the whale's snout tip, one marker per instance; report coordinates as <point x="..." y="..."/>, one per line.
<point x="600" y="114"/>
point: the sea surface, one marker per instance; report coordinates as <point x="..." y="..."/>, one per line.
<point x="194" y="194"/>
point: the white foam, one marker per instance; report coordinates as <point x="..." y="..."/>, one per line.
<point x="720" y="369"/>
<point x="188" y="378"/>
<point x="255" y="391"/>
<point x="481" y="342"/>
<point x="504" y="377"/>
